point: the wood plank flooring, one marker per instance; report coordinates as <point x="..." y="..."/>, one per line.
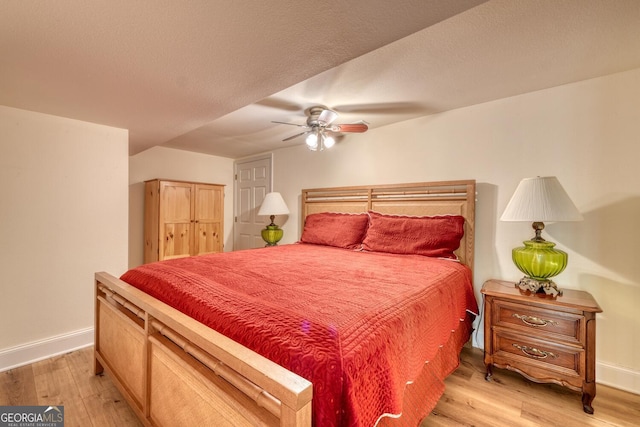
<point x="511" y="400"/>
<point x="469" y="400"/>
<point x="68" y="381"/>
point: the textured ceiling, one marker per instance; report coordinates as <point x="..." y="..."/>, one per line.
<point x="210" y="76"/>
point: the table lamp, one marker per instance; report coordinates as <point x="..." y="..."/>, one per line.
<point x="540" y="199"/>
<point x="272" y="205"/>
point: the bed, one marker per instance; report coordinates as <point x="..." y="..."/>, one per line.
<point x="350" y="326"/>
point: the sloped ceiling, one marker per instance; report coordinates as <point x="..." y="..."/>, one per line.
<point x="210" y="76"/>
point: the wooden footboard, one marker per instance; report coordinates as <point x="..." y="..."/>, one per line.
<point x="175" y="371"/>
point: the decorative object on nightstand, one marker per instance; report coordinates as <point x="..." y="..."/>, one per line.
<point x="545" y="340"/>
<point x="539" y="200"/>
<point x="272" y="205"/>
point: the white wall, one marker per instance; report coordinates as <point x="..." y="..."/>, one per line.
<point x="168" y="163"/>
<point x="587" y="134"/>
<point x="63" y="216"/>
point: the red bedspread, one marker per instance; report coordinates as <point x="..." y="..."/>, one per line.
<point x="358" y="325"/>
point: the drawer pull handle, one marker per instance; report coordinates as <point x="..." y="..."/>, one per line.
<point x="534" y="321"/>
<point x="534" y="352"/>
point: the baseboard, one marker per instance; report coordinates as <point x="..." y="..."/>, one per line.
<point x="618" y="377"/>
<point x="39" y="350"/>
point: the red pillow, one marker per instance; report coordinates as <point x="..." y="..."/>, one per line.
<point x="335" y="229"/>
<point x="434" y="236"/>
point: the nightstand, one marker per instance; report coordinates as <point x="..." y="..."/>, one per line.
<point x="546" y="340"/>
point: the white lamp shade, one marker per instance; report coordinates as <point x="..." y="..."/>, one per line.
<point x="540" y="199"/>
<point x="273" y="204"/>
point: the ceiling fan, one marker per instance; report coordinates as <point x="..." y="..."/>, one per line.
<point x="319" y="128"/>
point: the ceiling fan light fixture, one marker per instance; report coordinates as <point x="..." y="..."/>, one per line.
<point x="319" y="126"/>
<point x="328" y="141"/>
<point x="312" y="141"/>
<point x="327" y="117"/>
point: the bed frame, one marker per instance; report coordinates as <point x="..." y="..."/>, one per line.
<point x="174" y="370"/>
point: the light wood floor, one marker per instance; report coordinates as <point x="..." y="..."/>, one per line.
<point x="469" y="400"/>
<point x="511" y="400"/>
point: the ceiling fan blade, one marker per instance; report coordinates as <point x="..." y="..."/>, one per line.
<point x="295" y="136"/>
<point x="327" y="117"/>
<point x="290" y="124"/>
<point x="355" y="127"/>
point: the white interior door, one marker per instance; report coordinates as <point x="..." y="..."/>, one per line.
<point x="252" y="183"/>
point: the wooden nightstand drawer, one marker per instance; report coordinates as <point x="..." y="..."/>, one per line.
<point x="539" y="321"/>
<point x="566" y="360"/>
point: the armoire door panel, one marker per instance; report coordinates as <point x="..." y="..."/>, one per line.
<point x="176" y="202"/>
<point x="177" y="241"/>
<point x="209" y="238"/>
<point x="208" y="203"/>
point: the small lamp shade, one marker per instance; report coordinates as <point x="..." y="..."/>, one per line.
<point x="272" y="205"/>
<point x="540" y="199"/>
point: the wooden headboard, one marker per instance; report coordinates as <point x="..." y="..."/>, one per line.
<point x="422" y="198"/>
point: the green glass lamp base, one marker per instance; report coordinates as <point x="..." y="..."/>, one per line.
<point x="539" y="261"/>
<point x="272" y="234"/>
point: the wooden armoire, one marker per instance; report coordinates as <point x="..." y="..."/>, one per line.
<point x="182" y="219"/>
